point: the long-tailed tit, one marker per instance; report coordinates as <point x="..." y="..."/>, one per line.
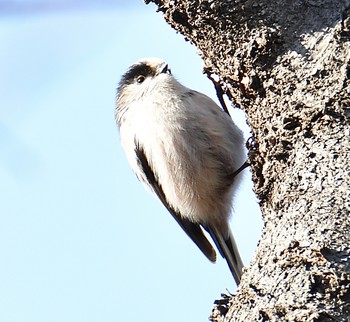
<point x="186" y="149"/>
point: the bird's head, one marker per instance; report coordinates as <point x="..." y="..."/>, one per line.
<point x="142" y="77"/>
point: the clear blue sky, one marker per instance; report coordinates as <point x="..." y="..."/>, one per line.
<point x="80" y="238"/>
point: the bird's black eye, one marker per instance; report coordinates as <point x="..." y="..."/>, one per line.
<point x="140" y="79"/>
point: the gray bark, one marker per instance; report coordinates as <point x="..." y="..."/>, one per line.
<point x="286" y="63"/>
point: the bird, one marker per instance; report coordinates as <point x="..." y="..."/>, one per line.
<point x="186" y="150"/>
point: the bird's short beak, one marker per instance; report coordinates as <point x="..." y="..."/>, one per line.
<point x="163" y="69"/>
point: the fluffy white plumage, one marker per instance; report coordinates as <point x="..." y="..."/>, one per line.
<point x="186" y="149"/>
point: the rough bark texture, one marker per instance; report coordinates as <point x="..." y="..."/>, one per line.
<point x="286" y="63"/>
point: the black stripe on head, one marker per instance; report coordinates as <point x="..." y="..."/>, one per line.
<point x="140" y="69"/>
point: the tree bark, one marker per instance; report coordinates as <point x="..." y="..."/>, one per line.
<point x="286" y="63"/>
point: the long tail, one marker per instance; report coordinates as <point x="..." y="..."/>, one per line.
<point x="228" y="249"/>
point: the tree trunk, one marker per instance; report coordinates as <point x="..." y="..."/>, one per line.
<point x="286" y="63"/>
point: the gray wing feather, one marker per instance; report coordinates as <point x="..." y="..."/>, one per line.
<point x="193" y="230"/>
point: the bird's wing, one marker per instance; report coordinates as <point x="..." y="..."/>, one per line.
<point x="193" y="230"/>
<point x="229" y="250"/>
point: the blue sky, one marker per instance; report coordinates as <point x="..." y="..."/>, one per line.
<point x="80" y="238"/>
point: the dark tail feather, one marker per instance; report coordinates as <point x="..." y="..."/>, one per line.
<point x="228" y="249"/>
